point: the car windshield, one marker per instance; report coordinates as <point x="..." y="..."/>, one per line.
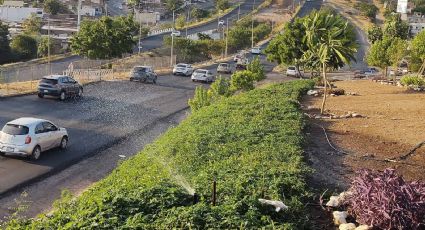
<point x="49" y="81"/>
<point x="291" y="68"/>
<point x="224" y="65"/>
<point x="201" y="71"/>
<point x="181" y="65"/>
<point x="12" y="129"/>
<point x="139" y="69"/>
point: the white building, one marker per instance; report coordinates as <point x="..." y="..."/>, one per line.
<point x="416" y="23"/>
<point x="18" y="14"/>
<point x="14" y="3"/>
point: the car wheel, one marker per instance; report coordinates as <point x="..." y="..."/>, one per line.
<point x="2" y="154"/>
<point x="80" y="92"/>
<point x="62" y="96"/>
<point x="36" y="153"/>
<point x="131" y="79"/>
<point x="64" y="143"/>
<point x="154" y="80"/>
<point x="40" y="95"/>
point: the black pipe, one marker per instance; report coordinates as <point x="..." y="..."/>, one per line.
<point x="214" y="197"/>
<point x="195" y="198"/>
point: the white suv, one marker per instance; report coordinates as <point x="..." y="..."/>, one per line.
<point x="183" y="69"/>
<point x="30" y="137"/>
<point x="292" y="71"/>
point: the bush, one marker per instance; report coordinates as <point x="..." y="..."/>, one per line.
<point x="251" y="144"/>
<point x="386" y="201"/>
<point x="24" y="46"/>
<point x="200" y="99"/>
<point x="367" y="9"/>
<point x="257" y="68"/>
<point x="242" y="80"/>
<point x="412" y="80"/>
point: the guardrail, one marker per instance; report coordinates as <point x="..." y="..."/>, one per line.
<point x="157" y="32"/>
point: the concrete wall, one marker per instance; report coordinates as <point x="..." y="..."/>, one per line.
<point x="18" y="14"/>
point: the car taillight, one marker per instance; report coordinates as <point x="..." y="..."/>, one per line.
<point x="27" y="140"/>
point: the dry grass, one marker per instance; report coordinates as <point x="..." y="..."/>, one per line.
<point x="346" y="9"/>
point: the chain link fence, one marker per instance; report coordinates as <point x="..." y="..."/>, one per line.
<point x="24" y="79"/>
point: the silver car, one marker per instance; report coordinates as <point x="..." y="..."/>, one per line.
<point x="31" y="136"/>
<point x="203" y="75"/>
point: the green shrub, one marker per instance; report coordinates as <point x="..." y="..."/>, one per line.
<point x="242" y="80"/>
<point x="200" y="99"/>
<point x="367" y="9"/>
<point x="257" y="68"/>
<point x="412" y="80"/>
<point x="251" y="144"/>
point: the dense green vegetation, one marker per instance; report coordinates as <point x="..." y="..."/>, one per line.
<point x="249" y="143"/>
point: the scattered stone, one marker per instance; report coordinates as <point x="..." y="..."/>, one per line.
<point x="279" y="205"/>
<point x="363" y="227"/>
<point x="333" y="201"/>
<point x="340" y="217"/>
<point x="313" y="92"/>
<point x="349" y="226"/>
<point x="352" y="94"/>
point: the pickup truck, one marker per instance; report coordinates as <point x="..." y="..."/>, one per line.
<point x="370" y="72"/>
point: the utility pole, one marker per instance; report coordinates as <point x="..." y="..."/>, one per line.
<point x="48" y="45"/>
<point x="252" y="26"/>
<point x="172" y="47"/>
<point x="174" y="23"/>
<point x="239" y="11"/>
<point x="78" y="15"/>
<point x="140" y="34"/>
<point x="227" y="36"/>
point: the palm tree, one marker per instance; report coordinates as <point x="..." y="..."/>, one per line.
<point x="331" y="42"/>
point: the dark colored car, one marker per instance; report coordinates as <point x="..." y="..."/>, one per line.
<point x="143" y="74"/>
<point x="61" y="86"/>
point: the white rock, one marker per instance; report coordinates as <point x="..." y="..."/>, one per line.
<point x="339" y="217"/>
<point x="349" y="226"/>
<point x="333" y="201"/>
<point x="279" y="205"/>
<point x="312" y="92"/>
<point x="363" y="227"/>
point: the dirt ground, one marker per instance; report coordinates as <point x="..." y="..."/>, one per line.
<point x="392" y="125"/>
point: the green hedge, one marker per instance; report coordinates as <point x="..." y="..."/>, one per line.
<point x="250" y="143"/>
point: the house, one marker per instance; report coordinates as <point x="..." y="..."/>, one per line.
<point x="147" y="17"/>
<point x="416" y="23"/>
<point x="14" y="3"/>
<point x="18" y="14"/>
<point x="92" y="8"/>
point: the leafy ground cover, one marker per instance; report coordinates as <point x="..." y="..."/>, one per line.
<point x="249" y="143"/>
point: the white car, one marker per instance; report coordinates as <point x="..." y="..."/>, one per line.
<point x="224" y="68"/>
<point x="31" y="136"/>
<point x="120" y="7"/>
<point x="255" y="50"/>
<point x="221" y="23"/>
<point x="183" y="69"/>
<point x="175" y="33"/>
<point x="202" y="75"/>
<point x="292" y="71"/>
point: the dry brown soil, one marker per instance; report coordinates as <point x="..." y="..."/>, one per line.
<point x="393" y="124"/>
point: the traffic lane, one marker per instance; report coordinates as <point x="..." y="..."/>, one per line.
<point x="156" y="41"/>
<point x="109" y="112"/>
<point x="308" y="7"/>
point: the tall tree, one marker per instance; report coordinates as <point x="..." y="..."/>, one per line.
<point x="418" y="46"/>
<point x="378" y="55"/>
<point x="395" y="27"/>
<point x="54" y="7"/>
<point x="104" y="38"/>
<point x="221" y="5"/>
<point x="331" y="40"/>
<point x="171" y="5"/>
<point x="396" y="52"/>
<point x="5" y="54"/>
<point x="289" y="46"/>
<point x="374" y="33"/>
<point x="24" y="46"/>
<point x="32" y="25"/>
<point x="43" y="46"/>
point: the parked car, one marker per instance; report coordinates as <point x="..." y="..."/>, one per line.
<point x="241" y="64"/>
<point x="292" y="71"/>
<point x="203" y="75"/>
<point x="221" y="23"/>
<point x="61" y="86"/>
<point x="256" y="50"/>
<point x="30" y="137"/>
<point x="224" y="68"/>
<point x="183" y="69"/>
<point x="237" y="57"/>
<point x="176" y="33"/>
<point x="370" y="72"/>
<point x="143" y="74"/>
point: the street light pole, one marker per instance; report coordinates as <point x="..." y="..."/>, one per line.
<point x="252" y="26"/>
<point x="227" y="36"/>
<point x="48" y="44"/>
<point x="239" y="11"/>
<point x="140" y="33"/>
<point x="172" y="47"/>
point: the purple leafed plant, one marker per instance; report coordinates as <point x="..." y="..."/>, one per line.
<point x="386" y="201"/>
